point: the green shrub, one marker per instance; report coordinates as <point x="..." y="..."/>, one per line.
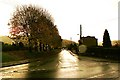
<point x="7" y="58"/>
<point x="73" y="47"/>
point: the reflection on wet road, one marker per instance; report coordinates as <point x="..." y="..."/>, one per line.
<point x="64" y="65"/>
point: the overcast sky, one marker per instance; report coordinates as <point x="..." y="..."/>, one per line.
<point x="94" y="15"/>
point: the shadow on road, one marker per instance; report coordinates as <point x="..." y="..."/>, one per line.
<point x="45" y="68"/>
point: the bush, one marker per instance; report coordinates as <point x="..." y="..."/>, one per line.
<point x="73" y="47"/>
<point x="9" y="47"/>
<point x="110" y="53"/>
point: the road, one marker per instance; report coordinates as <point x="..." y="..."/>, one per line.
<point x="63" y="65"/>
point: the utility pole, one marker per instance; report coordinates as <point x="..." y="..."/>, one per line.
<point x="80" y="35"/>
<point x="80" y="31"/>
<point x="71" y="39"/>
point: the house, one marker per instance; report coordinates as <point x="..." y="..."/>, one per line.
<point x="89" y="41"/>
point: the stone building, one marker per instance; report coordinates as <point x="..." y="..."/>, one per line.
<point x="89" y="41"/>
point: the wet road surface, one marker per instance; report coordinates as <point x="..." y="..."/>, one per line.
<point x="63" y="65"/>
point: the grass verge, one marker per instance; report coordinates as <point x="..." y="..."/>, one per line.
<point x="19" y="57"/>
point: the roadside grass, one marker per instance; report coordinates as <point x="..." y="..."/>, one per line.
<point x="10" y="56"/>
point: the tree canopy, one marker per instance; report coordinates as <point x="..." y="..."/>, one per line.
<point x="36" y="24"/>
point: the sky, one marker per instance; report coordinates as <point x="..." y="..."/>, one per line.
<point x="94" y="15"/>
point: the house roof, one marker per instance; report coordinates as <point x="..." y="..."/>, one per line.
<point x="92" y="37"/>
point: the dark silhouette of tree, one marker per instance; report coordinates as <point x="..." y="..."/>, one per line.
<point x="106" y="39"/>
<point x="21" y="45"/>
<point x="34" y="23"/>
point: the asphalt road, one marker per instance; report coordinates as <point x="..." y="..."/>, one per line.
<point x="64" y="65"/>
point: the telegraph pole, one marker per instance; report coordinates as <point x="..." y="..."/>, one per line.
<point x="80" y="31"/>
<point x="80" y="35"/>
